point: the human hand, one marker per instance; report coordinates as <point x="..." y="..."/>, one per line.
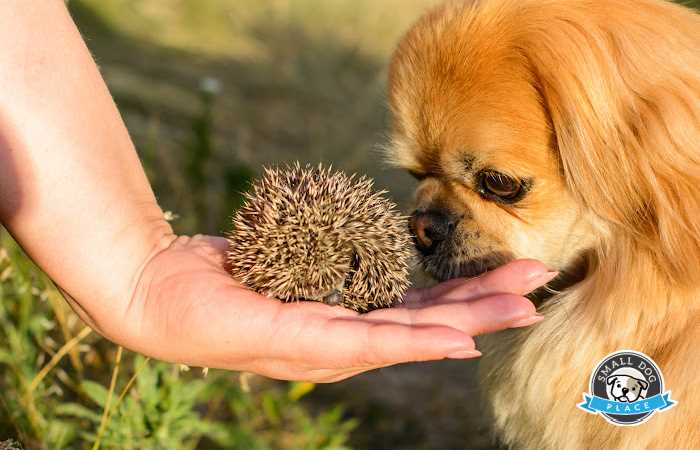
<point x="188" y="309"/>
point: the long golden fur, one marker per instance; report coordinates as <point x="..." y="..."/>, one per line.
<point x="594" y="106"/>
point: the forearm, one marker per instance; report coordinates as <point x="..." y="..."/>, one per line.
<point x="72" y="189"/>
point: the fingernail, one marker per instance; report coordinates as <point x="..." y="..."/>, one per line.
<point x="544" y="278"/>
<point x="527" y="321"/>
<point x="464" y="354"/>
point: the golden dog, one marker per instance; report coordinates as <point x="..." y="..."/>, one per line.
<point x="566" y="131"/>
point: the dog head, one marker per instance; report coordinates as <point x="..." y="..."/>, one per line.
<point x="551" y="130"/>
<point x="625" y="388"/>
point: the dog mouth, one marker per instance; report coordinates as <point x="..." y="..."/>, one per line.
<point x="446" y="267"/>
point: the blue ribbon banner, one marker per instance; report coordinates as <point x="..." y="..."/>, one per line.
<point x="595" y="404"/>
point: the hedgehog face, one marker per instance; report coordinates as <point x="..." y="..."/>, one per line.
<point x="321" y="267"/>
<point x="334" y="293"/>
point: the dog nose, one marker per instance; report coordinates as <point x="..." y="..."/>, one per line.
<point x="625" y="390"/>
<point x="429" y="229"/>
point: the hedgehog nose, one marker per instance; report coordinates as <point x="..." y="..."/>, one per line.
<point x="625" y="390"/>
<point x="429" y="228"/>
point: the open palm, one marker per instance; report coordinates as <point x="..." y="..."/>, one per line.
<point x="187" y="309"/>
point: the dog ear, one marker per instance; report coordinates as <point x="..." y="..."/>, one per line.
<point x="611" y="380"/>
<point x="643" y="384"/>
<point x="622" y="89"/>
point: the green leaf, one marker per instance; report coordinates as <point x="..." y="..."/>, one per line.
<point x="60" y="434"/>
<point x="79" y="411"/>
<point x="298" y="389"/>
<point x="5" y="356"/>
<point x="96" y="392"/>
<point x="271" y="409"/>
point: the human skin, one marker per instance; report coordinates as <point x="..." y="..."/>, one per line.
<point x="73" y="193"/>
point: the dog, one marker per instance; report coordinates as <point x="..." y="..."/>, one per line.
<point x="566" y="131"/>
<point x="626" y="388"/>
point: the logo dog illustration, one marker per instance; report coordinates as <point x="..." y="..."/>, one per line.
<point x="626" y="389"/>
<point x="627" y="385"/>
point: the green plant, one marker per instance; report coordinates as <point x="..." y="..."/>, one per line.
<point x="61" y="387"/>
<point x="158" y="412"/>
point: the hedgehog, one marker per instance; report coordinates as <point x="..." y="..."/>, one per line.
<point x="312" y="233"/>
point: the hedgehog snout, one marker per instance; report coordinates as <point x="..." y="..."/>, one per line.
<point x="335" y="296"/>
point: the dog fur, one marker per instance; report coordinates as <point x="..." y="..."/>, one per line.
<point x="596" y="105"/>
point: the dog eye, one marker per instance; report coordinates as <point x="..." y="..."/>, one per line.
<point x="496" y="184"/>
<point x="417" y="175"/>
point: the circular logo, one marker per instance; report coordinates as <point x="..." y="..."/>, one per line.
<point x="626" y="388"/>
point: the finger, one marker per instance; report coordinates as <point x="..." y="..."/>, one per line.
<point x="311" y="376"/>
<point x="334" y="349"/>
<point x="474" y="317"/>
<point x="292" y="372"/>
<point x="353" y="343"/>
<point x="213" y="248"/>
<point x="332" y="377"/>
<point x="238" y="329"/>
<point x="517" y="277"/>
<point x="218" y="242"/>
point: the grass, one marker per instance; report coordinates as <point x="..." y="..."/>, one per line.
<point x="64" y="387"/>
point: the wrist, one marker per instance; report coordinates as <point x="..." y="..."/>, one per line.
<point x="99" y="277"/>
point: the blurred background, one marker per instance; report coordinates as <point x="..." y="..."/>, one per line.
<point x="212" y="90"/>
